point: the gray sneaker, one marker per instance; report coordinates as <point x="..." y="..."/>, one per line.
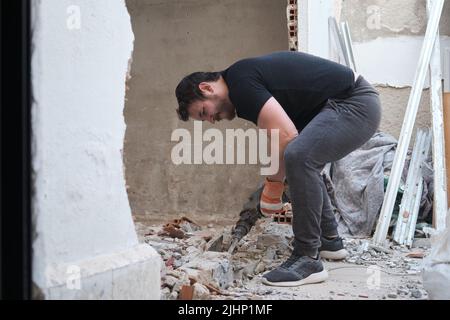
<point x="296" y="271"/>
<point x="332" y="249"/>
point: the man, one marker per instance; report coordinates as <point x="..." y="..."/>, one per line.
<point x="323" y="111"/>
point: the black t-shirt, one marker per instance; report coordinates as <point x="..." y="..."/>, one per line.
<point x="300" y="82"/>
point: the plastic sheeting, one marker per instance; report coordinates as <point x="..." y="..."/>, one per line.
<point x="356" y="184"/>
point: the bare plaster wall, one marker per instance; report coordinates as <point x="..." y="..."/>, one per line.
<point x="173" y="39"/>
<point x="396" y="18"/>
<point x="375" y="20"/>
<point x="394" y="102"/>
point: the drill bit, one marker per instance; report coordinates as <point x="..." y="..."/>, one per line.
<point x="247" y="220"/>
<point x="250" y="213"/>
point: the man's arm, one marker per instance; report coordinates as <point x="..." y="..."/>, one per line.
<point x="273" y="116"/>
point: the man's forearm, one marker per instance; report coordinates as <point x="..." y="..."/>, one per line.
<point x="280" y="175"/>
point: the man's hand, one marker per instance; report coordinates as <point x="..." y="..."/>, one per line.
<point x="271" y="198"/>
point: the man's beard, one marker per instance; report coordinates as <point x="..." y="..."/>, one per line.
<point x="227" y="109"/>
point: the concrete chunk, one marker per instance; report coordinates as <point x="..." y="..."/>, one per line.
<point x="211" y="268"/>
<point x="201" y="292"/>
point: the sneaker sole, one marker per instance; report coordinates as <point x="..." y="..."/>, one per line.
<point x="334" y="255"/>
<point x="313" y="278"/>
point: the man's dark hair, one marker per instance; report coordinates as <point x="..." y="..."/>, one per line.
<point x="188" y="91"/>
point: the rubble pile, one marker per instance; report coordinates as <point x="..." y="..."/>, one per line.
<point x="196" y="266"/>
<point x="192" y="256"/>
<point x="396" y="258"/>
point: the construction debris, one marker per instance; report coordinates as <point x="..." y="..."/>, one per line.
<point x="202" y="262"/>
<point x="201" y="292"/>
<point x="186" y="293"/>
<point x="179" y="227"/>
<point x="408" y="123"/>
<point x="410" y="204"/>
<point x="437" y="112"/>
<point x="193" y="271"/>
<point x="211" y="268"/>
<point x="416" y="254"/>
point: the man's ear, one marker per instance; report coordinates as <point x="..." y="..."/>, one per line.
<point x="206" y="88"/>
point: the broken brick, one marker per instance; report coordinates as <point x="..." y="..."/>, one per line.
<point x="186" y="293"/>
<point x="171" y="231"/>
<point x="416" y="254"/>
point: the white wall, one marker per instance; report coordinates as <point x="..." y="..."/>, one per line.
<point x="386" y="60"/>
<point x="313" y="25"/>
<point x="396" y="59"/>
<point x="80" y="204"/>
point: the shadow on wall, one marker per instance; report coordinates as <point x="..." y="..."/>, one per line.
<point x="173" y="39"/>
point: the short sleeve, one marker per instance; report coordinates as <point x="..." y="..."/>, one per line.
<point x="248" y="96"/>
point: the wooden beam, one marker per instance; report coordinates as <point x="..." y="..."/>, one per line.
<point x="345" y="29"/>
<point x="447" y="139"/>
<point x="440" y="179"/>
<point x="338" y="41"/>
<point x="412" y="195"/>
<point x="446" y="72"/>
<point x="408" y="124"/>
<point x="411" y="227"/>
<point x="447" y="117"/>
<point x="413" y="180"/>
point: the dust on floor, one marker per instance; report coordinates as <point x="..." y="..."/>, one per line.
<point x="192" y="271"/>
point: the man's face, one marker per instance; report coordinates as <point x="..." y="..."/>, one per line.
<point x="212" y="109"/>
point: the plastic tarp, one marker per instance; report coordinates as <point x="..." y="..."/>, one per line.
<point x="356" y="184"/>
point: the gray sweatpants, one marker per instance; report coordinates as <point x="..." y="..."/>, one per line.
<point x="341" y="127"/>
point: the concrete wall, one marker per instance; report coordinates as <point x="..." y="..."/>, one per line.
<point x="84" y="242"/>
<point x="173" y="39"/>
<point x="388" y="37"/>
